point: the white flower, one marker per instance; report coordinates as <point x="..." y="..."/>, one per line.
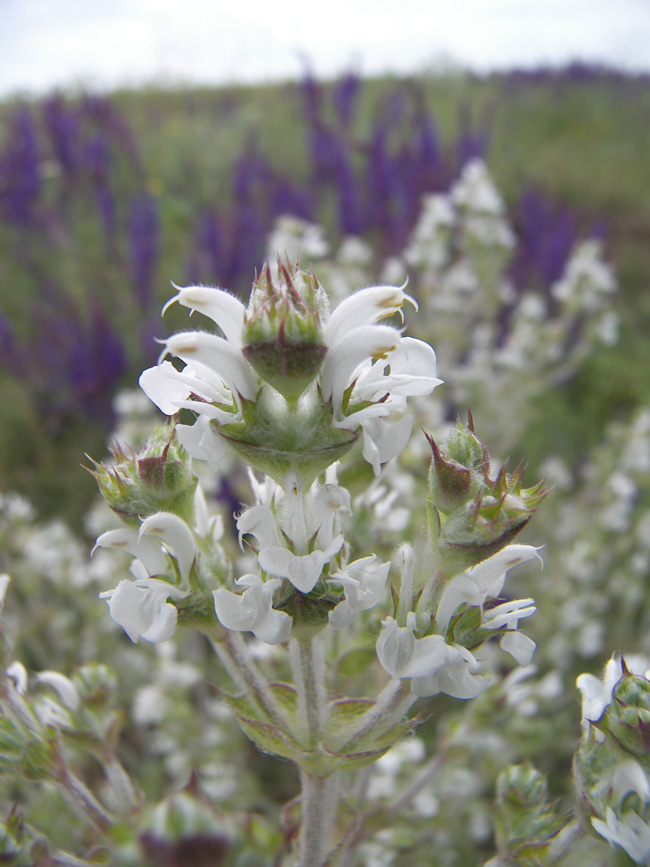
<point x="476" y="585"/>
<point x="302" y="570"/>
<point x="382" y="441"/>
<point x="17" y="673"/>
<point x="367" y="373"/>
<point x="253" y="611"/>
<point x="364" y="585"/>
<point x="433" y="665"/>
<point x="201" y="441"/>
<point x="629" y="832"/>
<point x="63" y="686"/>
<point x="142" y="610"/>
<point x="597" y="694"/>
<point x="144" y="544"/>
<point x="324" y="508"/>
<point x="258" y="521"/>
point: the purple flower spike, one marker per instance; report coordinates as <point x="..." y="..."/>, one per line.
<point x="20" y="171"/>
<point x="144" y="238"/>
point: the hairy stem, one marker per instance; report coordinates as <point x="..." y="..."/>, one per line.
<point x="237" y="661"/>
<point x="391" y="706"/>
<point x="319" y="797"/>
<point x="308" y="665"/>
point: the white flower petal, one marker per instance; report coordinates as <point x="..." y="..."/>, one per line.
<point x="201" y="441"/>
<point x="413" y="371"/>
<point x="142" y="612"/>
<point x="480" y="582"/>
<point x="364" y="585"/>
<point x="508" y="614"/>
<point x="17" y="672"/>
<point x="252" y="611"/>
<point x="597" y="694"/>
<point x="170" y="389"/>
<point x="147" y="550"/>
<point x="224" y="309"/>
<point x="382" y="441"/>
<point x="176" y="535"/>
<point x="343" y="358"/>
<point x="216" y="357"/>
<point x="364" y="307"/>
<point x="519" y="646"/>
<point x="65" y="688"/>
<point x="258" y="521"/>
<point x="454" y="679"/>
<point x="630" y="832"/>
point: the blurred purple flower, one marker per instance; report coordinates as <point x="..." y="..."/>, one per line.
<point x="346" y="91"/>
<point x="144" y="244"/>
<point x="62" y="125"/>
<point x="76" y="371"/>
<point x="20" y="170"/>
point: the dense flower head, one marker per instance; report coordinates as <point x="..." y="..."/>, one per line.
<point x="291" y="386"/>
<point x="305" y="578"/>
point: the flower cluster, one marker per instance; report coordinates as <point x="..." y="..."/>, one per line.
<point x="291" y="386"/>
<point x="611" y="766"/>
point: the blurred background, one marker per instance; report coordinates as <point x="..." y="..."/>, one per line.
<point x="143" y="142"/>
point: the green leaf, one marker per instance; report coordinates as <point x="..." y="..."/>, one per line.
<point x="271" y="739"/>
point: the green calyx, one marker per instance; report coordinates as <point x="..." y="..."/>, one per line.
<point x="309" y="611"/>
<point x="472" y="515"/>
<point x="278" y="437"/>
<point x="525" y="819"/>
<point x="627" y="717"/>
<point x="283" y="339"/>
<point x="158" y="479"/>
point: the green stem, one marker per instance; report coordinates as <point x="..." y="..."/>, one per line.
<point x="319" y="797"/>
<point x="308" y="665"/>
<point x="237" y="661"/>
<point x="391" y="706"/>
<point x="78" y="794"/>
<point x="319" y="793"/>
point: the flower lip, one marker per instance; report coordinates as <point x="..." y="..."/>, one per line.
<point x="224" y="309"/>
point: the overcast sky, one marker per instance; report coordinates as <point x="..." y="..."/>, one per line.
<point x="103" y="43"/>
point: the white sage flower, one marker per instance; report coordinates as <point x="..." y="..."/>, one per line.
<point x="364" y="585"/>
<point x="302" y="570"/>
<point x="432" y="665"/>
<point x="629" y="831"/>
<point x="141" y="608"/>
<point x="252" y="611"/>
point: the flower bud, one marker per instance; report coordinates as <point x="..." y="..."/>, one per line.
<point x="525" y="819"/>
<point x="283" y="339"/>
<point x="627" y="716"/>
<point x="477" y="516"/>
<point x="96" y="684"/>
<point x="158" y="479"/>
<point x="183" y="829"/>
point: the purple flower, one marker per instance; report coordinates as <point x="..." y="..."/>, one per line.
<point x="20" y="172"/>
<point x="144" y="238"/>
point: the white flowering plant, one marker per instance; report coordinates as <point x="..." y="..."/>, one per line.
<point x="334" y="664"/>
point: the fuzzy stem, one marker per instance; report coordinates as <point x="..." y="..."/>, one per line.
<point x="392" y="704"/>
<point x="237" y="661"/>
<point x="308" y="665"/>
<point x="319" y="797"/>
<point x="319" y="794"/>
<point x="78" y="794"/>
